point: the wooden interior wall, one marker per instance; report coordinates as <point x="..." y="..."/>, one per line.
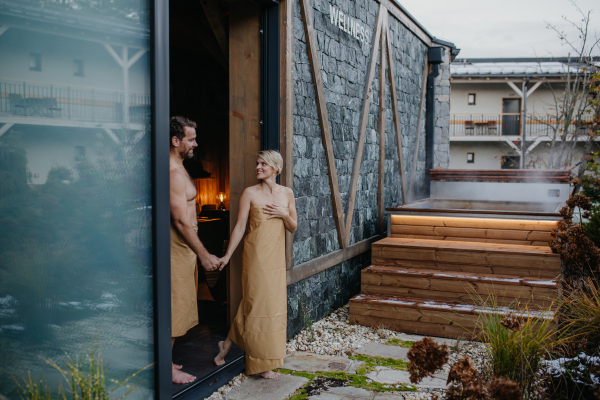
<point x="195" y="55"/>
<point x="244" y="119"/>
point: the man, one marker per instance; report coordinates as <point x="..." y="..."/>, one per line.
<point x="185" y="245"/>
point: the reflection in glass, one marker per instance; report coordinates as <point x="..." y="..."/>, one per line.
<point x="75" y="221"/>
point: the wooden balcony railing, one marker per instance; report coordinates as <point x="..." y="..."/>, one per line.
<point x="71" y="103"/>
<point x="509" y="124"/>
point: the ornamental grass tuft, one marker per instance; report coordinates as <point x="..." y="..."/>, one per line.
<point x="85" y="378"/>
<point x="517" y="341"/>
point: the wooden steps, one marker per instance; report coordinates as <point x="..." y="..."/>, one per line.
<point x="432" y="273"/>
<point x="424" y="317"/>
<point x="457" y="286"/>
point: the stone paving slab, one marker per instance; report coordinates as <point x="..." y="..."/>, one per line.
<point x="416" y="338"/>
<point x="394" y="376"/>
<point x="259" y="388"/>
<point x="353" y="393"/>
<point x="308" y="362"/>
<point x="383" y="350"/>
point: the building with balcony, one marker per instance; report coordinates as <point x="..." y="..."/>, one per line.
<point x="487" y="105"/>
<point x="89" y="87"/>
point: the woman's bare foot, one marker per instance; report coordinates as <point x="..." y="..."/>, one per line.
<point x="181" y="377"/>
<point x="224" y="347"/>
<point x="269" y="374"/>
<point x="177" y="366"/>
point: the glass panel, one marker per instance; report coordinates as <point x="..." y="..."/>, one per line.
<point x="75" y="190"/>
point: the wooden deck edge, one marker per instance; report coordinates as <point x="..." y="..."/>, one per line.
<point x="488" y="278"/>
<point x="445" y="245"/>
<point x="430" y="305"/>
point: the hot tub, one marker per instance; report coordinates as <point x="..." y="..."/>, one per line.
<point x="547" y="211"/>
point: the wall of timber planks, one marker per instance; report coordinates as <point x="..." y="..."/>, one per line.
<point x="244" y="119"/>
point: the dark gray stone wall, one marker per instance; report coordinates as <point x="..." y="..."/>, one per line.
<point x="322" y="293"/>
<point x="441" y="147"/>
<point x="344" y="62"/>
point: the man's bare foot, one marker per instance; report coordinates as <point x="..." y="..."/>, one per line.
<point x="181" y="377"/>
<point x="223" y="350"/>
<point x="177" y="366"/>
<point x="269" y="375"/>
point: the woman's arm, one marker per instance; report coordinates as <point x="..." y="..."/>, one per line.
<point x="291" y="222"/>
<point x="240" y="228"/>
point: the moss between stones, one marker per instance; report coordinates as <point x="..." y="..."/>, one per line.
<point x="371" y="362"/>
<point x="303" y="374"/>
<point x="399" y="342"/>
<point x="359" y="379"/>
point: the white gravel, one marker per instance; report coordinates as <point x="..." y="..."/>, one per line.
<point x="220" y="394"/>
<point x="335" y="336"/>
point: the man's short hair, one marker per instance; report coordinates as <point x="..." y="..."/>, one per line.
<point x="177" y="126"/>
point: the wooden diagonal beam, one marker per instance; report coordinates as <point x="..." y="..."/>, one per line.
<point x="381" y="172"/>
<point x="395" y="110"/>
<point x="313" y="57"/>
<point x="362" y="124"/>
<point x="214" y="14"/>
<point x="421" y="108"/>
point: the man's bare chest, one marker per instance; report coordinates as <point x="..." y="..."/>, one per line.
<point x="190" y="189"/>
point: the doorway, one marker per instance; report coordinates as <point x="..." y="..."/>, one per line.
<point x="511" y="117"/>
<point x="199" y="86"/>
<point x="224" y="76"/>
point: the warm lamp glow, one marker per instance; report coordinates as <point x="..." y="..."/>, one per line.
<point x="221" y="197"/>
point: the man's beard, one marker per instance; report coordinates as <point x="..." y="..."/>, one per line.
<point x="187" y="155"/>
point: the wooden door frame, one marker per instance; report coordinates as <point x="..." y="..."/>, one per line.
<point x="254" y="113"/>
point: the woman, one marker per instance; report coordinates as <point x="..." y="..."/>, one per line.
<point x="259" y="328"/>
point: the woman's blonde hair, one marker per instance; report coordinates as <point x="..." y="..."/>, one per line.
<point x="272" y="158"/>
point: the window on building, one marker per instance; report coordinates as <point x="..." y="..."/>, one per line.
<point x="78" y="68"/>
<point x="35" y="62"/>
<point x="470" y="158"/>
<point x="471" y="99"/>
<point x="79" y="153"/>
<point x="510" y="162"/>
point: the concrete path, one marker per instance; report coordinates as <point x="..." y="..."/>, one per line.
<point x="258" y="388"/>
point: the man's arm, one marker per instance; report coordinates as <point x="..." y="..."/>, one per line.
<point x="181" y="222"/>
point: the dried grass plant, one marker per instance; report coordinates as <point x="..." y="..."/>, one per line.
<point x="580" y="315"/>
<point x="517" y="341"/>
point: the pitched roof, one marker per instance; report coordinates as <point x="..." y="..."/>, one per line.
<point x="513" y="67"/>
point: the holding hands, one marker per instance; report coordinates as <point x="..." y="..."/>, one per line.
<point x="223" y="261"/>
<point x="210" y="262"/>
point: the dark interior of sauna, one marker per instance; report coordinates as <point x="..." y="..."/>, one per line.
<point x="199" y="90"/>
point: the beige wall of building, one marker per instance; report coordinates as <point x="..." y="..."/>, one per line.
<point x="489" y="98"/>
